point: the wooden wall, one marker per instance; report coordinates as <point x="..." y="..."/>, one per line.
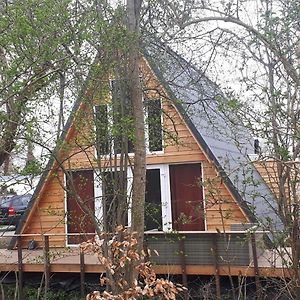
<point x="221" y="210"/>
<point x="48" y="215"/>
<point x="268" y="171"/>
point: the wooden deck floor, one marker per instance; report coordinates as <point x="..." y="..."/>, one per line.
<point x="68" y="260"/>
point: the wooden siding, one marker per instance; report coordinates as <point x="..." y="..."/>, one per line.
<point x="221" y="209"/>
<point x="49" y="213"/>
<point x="269" y="172"/>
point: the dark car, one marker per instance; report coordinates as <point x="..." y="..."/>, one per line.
<point x="12" y="208"/>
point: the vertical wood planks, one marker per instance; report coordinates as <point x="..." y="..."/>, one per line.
<point x="82" y="272"/>
<point x="216" y="265"/>
<point x="20" y="269"/>
<point x="46" y="265"/>
<point x="183" y="265"/>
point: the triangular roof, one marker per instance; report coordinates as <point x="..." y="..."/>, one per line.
<point x="227" y="145"/>
<point x="195" y="96"/>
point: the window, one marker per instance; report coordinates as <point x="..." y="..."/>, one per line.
<point x="153" y="205"/>
<point x="154" y="122"/>
<point x="158" y="214"/>
<point x="114" y="124"/>
<point x="109" y="199"/>
<point x="173" y="200"/>
<point x="102" y="131"/>
<point x="111" y="206"/>
<point x="115" y="203"/>
<point x="122" y="121"/>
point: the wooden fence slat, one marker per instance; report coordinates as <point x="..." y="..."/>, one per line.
<point x="256" y="269"/>
<point x="216" y="265"/>
<point x="20" y="269"/>
<point x="82" y="272"/>
<point x="183" y="265"/>
<point x="46" y="265"/>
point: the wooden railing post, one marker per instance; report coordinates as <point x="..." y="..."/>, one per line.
<point x="256" y="269"/>
<point x="20" y="268"/>
<point x="183" y="265"/>
<point x="216" y="265"/>
<point x="46" y="265"/>
<point x="82" y="271"/>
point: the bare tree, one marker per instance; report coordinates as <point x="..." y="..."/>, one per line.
<point x="260" y="39"/>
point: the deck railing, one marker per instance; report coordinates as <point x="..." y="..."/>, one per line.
<point x="183" y="249"/>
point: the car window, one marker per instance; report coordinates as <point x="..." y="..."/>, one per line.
<point x="20" y="200"/>
<point x="26" y="199"/>
<point x="6" y="201"/>
<point x="15" y="201"/>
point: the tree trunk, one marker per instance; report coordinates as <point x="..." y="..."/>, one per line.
<point x="135" y="89"/>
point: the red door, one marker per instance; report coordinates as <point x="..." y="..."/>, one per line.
<point x="187" y="197"/>
<point x="78" y="221"/>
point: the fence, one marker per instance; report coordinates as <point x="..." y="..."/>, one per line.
<point x="183" y="249"/>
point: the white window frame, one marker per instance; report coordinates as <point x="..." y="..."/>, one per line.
<point x="166" y="209"/>
<point x="110" y="123"/>
<point x="147" y="131"/>
<point x="99" y="212"/>
<point x="165" y="195"/>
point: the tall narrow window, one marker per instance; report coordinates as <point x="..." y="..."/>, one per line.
<point x="122" y="130"/>
<point x="114" y="197"/>
<point x="187" y="197"/>
<point x="154" y="125"/>
<point x="109" y="200"/>
<point x="153" y="204"/>
<point x="102" y="130"/>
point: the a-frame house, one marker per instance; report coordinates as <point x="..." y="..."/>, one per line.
<point x="198" y="173"/>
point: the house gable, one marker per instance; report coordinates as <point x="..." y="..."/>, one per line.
<point x="180" y="147"/>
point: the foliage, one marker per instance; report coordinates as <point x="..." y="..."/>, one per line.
<point x="123" y="252"/>
<point x="255" y="46"/>
<point x="252" y="49"/>
<point x="43" y="41"/>
<point x="31" y="293"/>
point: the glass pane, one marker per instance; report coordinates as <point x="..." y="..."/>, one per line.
<point x="114" y="194"/>
<point x="154" y="125"/>
<point x="122" y="130"/>
<point x="102" y="136"/>
<point x="153" y="214"/>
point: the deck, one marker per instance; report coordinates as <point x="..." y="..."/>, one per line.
<point x="68" y="261"/>
<point x="189" y="253"/>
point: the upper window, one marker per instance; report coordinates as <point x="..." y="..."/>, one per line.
<point x="154" y="122"/>
<point x="114" y="123"/>
<point x="102" y="131"/>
